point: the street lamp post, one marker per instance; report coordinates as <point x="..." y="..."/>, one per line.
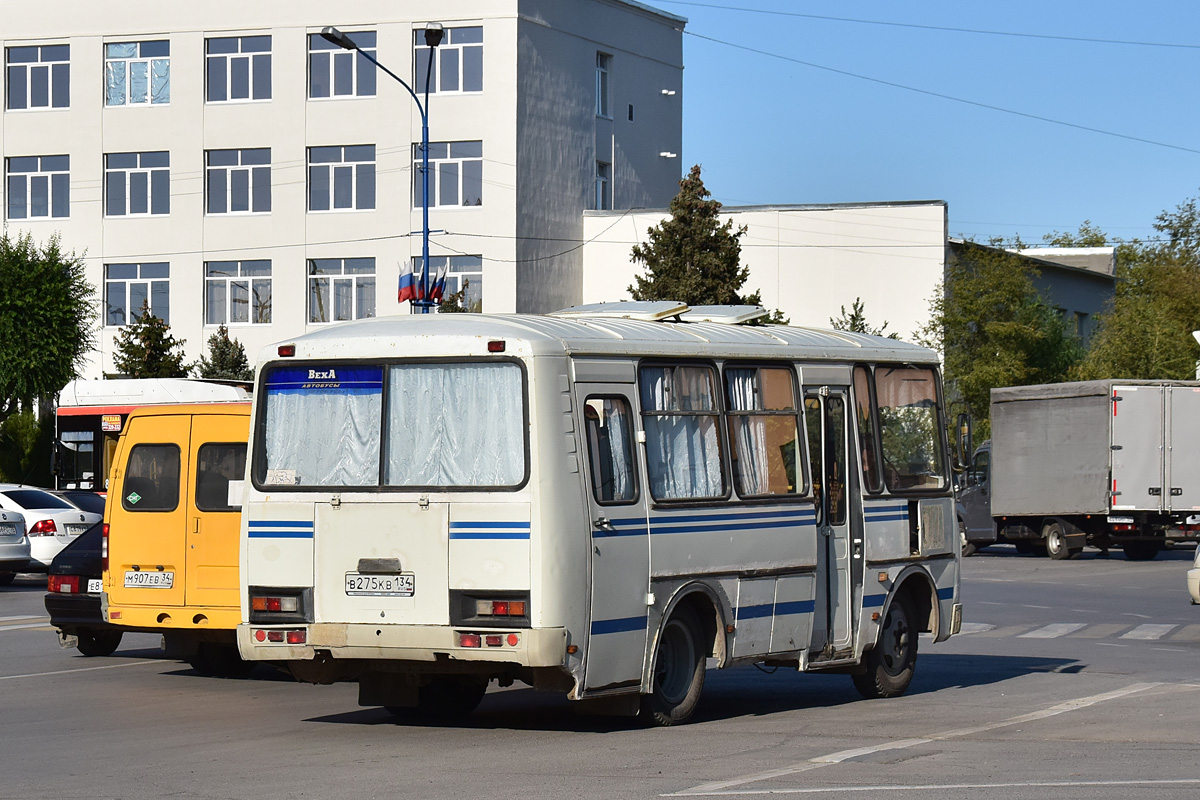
<point x="433" y="37"/>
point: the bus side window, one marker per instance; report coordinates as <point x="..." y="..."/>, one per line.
<point x="608" y="427"/>
<point x="152" y="478"/>
<point x="216" y="466"/>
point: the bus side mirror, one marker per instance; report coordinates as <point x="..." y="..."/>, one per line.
<point x="964" y="445"/>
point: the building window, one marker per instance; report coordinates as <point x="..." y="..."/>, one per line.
<point x="334" y="72"/>
<point x="237" y="292"/>
<point x="238" y="68"/>
<point x="341" y="177"/>
<point x="238" y="181"/>
<point x="461" y="273"/>
<point x="455" y="174"/>
<point x="603" y="186"/>
<point x="603" y="64"/>
<point x="340" y="289"/>
<point x="39" y="76"/>
<point x="137" y="183"/>
<point x="39" y="187"/>
<point x="459" y="64"/>
<point x="137" y="73"/>
<point x="130" y="287"/>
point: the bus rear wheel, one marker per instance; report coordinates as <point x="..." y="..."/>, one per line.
<point x="678" y="671"/>
<point x="890" y="664"/>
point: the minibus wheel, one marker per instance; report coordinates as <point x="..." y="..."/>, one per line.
<point x="678" y="676"/>
<point x="98" y="643"/>
<point x="889" y="665"/>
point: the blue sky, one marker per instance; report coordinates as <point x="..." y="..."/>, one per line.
<point x="770" y="130"/>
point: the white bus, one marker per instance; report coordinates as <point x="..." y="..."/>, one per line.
<point x="594" y="502"/>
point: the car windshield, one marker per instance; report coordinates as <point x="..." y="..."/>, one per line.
<point x="36" y="498"/>
<point x="88" y="501"/>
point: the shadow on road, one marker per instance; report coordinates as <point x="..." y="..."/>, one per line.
<point x="728" y="694"/>
<point x="1175" y="553"/>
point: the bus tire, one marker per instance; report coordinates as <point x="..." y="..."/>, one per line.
<point x="98" y="643"/>
<point x="890" y="664"/>
<point x="1056" y="541"/>
<point x="678" y="676"/>
<point x="219" y="661"/>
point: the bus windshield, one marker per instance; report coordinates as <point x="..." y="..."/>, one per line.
<point x="426" y="425"/>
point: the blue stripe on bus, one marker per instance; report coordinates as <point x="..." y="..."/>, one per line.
<point x="269" y="533"/>
<point x="795" y="607"/>
<point x="640" y="530"/>
<point x="490" y="525"/>
<point x="602" y="626"/>
<point x="489" y="535"/>
<point x="755" y="612"/>
<point x="726" y="517"/>
<point x="945" y="594"/>
<point x="892" y="518"/>
<point x="873" y="600"/>
<point x="658" y="529"/>
<point x="277" y="523"/>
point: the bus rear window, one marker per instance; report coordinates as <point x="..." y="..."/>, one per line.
<point x="450" y="425"/>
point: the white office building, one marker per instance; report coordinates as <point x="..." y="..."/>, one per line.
<point x="224" y="163"/>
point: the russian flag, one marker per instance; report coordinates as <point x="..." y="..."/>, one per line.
<point x="408" y="285"/>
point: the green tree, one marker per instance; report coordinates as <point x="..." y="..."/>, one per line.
<point x="226" y="359"/>
<point x="994" y="329"/>
<point x="693" y="257"/>
<point x="46" y="322"/>
<point x="1147" y="334"/>
<point x="25" y="446"/>
<point x="146" y="349"/>
<point x="856" y="322"/>
<point x="455" y="303"/>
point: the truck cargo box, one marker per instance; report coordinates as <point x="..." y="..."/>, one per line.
<point x="1096" y="447"/>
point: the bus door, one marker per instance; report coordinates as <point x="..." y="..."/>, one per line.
<point x="218" y="463"/>
<point x="825" y="415"/>
<point x="619" y="541"/>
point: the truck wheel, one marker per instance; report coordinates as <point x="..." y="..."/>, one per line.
<point x="891" y="662"/>
<point x="968" y="548"/>
<point x="1024" y="546"/>
<point x="1141" y="550"/>
<point x="678" y="671"/>
<point x="1056" y="541"/>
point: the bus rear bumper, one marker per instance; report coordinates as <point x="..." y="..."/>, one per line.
<point x="526" y="647"/>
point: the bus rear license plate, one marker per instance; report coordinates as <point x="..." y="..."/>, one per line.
<point x="135" y="579"/>
<point x="402" y="585"/>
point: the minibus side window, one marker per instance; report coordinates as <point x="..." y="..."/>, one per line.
<point x="683" y="445"/>
<point x="763" y="431"/>
<point x="909" y="429"/>
<point x="151" y="478"/>
<point x="216" y="466"/>
<point x="872" y="475"/>
<point x="608" y="427"/>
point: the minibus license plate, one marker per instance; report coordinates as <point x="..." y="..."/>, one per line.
<point x="135" y="579"/>
<point x="402" y="585"/>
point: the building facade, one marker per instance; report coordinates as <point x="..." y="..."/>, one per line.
<point x="225" y="164"/>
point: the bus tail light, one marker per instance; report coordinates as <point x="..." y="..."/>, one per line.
<point x="469" y="640"/>
<point x="43" y="527"/>
<point x="275" y="604"/>
<point x="104" y="547"/>
<point x="500" y="608"/>
<point x="296" y="637"/>
<point x="67" y="584"/>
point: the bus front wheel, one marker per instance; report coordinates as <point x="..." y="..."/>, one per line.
<point x="678" y="671"/>
<point x="889" y="665"/>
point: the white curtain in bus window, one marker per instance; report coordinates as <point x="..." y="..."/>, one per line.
<point x="323" y="426"/>
<point x="683" y="452"/>
<point x="763" y="430"/>
<point x="908" y="428"/>
<point x="610" y="450"/>
<point x="455" y="425"/>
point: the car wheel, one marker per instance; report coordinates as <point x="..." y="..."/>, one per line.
<point x="98" y="643"/>
<point x="890" y="664"/>
<point x="678" y="677"/>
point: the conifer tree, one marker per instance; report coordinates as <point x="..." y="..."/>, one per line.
<point x="146" y="349"/>
<point x="226" y="359"/>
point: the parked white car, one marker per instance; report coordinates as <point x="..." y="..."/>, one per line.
<point x="1193" y="578"/>
<point x="14" y="546"/>
<point x="51" y="522"/>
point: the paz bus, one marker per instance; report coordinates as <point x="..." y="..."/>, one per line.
<point x="91" y="415"/>
<point x="594" y="502"/>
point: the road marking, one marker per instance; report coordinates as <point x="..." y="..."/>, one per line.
<point x="1149" y="632"/>
<point x="1100" y="631"/>
<point x="1139" y="616"/>
<point x="976" y="627"/>
<point x="953" y="787"/>
<point x="721" y="787"/>
<point x="1053" y="631"/>
<point x="1111" y="644"/>
<point x="23" y="627"/>
<point x="22" y="616"/>
<point x="1012" y="630"/>
<point x="1189" y="633"/>
<point x="81" y="669"/>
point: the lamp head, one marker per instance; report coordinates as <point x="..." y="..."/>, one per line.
<point x="334" y="36"/>
<point x="433" y="34"/>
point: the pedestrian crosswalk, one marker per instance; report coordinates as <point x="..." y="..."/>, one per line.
<point x="21" y="623"/>
<point x="1146" y="632"/>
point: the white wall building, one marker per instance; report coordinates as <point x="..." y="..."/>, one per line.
<point x="806" y="260"/>
<point x="223" y="163"/>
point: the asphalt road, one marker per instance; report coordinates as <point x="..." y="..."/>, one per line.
<point x="1077" y="679"/>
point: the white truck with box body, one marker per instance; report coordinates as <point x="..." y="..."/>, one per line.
<point x="1101" y="463"/>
